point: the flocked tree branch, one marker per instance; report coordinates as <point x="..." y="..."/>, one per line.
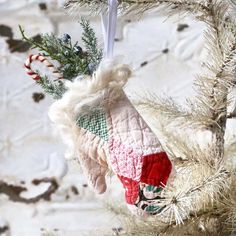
<point x="144" y="5"/>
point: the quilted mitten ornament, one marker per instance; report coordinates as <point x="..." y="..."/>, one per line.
<point x="105" y="131"/>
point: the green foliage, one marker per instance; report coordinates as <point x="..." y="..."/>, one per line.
<point x="64" y="52"/>
<point x="90" y="42"/>
<point x="55" y="88"/>
<point x="73" y="60"/>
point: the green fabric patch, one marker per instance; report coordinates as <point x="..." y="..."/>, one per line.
<point x="152" y="208"/>
<point x="95" y="122"/>
<point x="154" y="189"/>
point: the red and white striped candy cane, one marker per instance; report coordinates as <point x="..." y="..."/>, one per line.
<point x="45" y="61"/>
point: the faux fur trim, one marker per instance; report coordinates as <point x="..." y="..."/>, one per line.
<point x="86" y="93"/>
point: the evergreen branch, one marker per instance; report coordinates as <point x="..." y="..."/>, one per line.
<point x="90" y="42"/>
<point x="30" y="40"/>
<point x="73" y="60"/>
<point x="56" y="88"/>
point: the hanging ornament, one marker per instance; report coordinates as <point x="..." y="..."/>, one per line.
<point x="105" y="131"/>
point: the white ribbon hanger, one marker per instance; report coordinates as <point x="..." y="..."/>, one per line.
<point x="109" y="27"/>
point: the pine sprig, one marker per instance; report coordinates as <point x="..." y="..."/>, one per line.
<point x="55" y="88"/>
<point x="73" y="60"/>
<point x="72" y="64"/>
<point x="90" y="41"/>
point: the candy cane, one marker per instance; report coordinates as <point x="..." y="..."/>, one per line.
<point x="45" y="61"/>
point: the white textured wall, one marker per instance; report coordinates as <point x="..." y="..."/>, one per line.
<point x="30" y="149"/>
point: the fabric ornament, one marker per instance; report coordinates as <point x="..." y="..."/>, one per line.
<point x="104" y="131"/>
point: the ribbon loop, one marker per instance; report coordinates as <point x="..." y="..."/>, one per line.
<point x="109" y="27"/>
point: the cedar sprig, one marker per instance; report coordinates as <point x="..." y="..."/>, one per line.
<point x="90" y="41"/>
<point x="54" y="88"/>
<point x="73" y="59"/>
<point x="72" y="64"/>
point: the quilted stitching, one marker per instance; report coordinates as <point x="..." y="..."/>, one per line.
<point x="125" y="162"/>
<point x="156" y="169"/>
<point x="143" y="175"/>
<point x="131" y="189"/>
<point x="95" y="122"/>
<point x="127" y="126"/>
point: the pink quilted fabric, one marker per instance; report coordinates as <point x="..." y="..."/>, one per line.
<point x="125" y="162"/>
<point x="135" y="153"/>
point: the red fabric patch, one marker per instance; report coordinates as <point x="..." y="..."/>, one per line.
<point x="131" y="189"/>
<point x="156" y="169"/>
